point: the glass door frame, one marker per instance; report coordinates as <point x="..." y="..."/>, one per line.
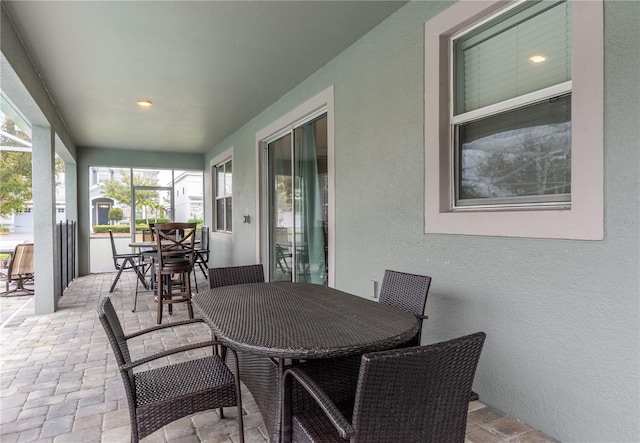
<point x="265" y="205"/>
<point x="321" y="102"/>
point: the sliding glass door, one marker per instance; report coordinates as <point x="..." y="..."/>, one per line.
<point x="298" y="199"/>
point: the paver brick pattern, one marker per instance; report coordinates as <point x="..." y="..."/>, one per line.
<point x="59" y="381"/>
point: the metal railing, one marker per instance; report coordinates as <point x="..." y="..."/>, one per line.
<point x="66" y="237"/>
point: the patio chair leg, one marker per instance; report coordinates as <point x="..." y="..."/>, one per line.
<point x="135" y="297"/>
<point x="115" y="281"/>
<point x="195" y="279"/>
<point x="204" y="268"/>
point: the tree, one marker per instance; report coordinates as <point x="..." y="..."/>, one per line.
<point x="59" y="171"/>
<point x="115" y="214"/>
<point x="120" y="189"/>
<point x="15" y="181"/>
<point x="15" y="170"/>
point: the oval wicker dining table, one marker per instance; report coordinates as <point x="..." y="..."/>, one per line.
<point x="271" y="324"/>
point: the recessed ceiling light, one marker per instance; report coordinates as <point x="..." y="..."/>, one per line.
<point x="144" y="103"/>
<point x="537" y="58"/>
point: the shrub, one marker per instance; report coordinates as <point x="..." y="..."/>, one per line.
<point x="115" y="214"/>
<point x="102" y="229"/>
<point x="145" y="221"/>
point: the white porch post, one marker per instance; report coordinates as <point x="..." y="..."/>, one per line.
<point x="44" y="219"/>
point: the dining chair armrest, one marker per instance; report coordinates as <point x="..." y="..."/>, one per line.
<point x="159" y="327"/>
<point x="338" y="420"/>
<point x="168" y="352"/>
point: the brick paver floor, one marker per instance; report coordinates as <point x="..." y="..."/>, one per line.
<point x="59" y="382"/>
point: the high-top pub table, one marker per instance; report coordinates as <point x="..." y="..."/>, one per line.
<point x="270" y="323"/>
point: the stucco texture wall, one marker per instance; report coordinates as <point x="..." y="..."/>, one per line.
<point x="561" y="316"/>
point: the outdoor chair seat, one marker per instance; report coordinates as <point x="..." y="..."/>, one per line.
<point x="306" y="423"/>
<point x="159" y="396"/>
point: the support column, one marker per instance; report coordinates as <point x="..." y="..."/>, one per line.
<point x="44" y="219"/>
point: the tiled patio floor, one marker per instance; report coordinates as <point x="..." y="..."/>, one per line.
<point x="59" y="382"/>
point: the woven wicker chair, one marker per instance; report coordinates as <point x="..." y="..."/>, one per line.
<point x="418" y="394"/>
<point x="162" y="395"/>
<point x="407" y="292"/>
<point x="235" y="275"/>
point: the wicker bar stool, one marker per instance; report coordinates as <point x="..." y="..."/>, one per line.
<point x="174" y="263"/>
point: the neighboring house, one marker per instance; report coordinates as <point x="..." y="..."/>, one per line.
<point x="100" y="205"/>
<point x="22" y="221"/>
<point x="188" y="196"/>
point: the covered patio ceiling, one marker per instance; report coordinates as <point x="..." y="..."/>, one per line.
<point x="208" y="67"/>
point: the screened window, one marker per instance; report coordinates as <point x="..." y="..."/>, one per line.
<point x="511" y="110"/>
<point x="223" y="197"/>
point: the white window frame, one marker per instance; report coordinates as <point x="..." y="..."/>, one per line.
<point x="224" y="157"/>
<point x="583" y="218"/>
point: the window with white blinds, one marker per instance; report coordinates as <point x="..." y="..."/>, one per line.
<point x="519" y="52"/>
<point x="511" y="116"/>
<point x="224" y="197"/>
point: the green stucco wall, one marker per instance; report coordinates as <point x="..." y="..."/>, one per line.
<point x="561" y="317"/>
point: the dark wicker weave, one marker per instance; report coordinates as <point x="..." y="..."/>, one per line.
<point x="270" y="323"/>
<point x="301" y="320"/>
<point x="160" y="396"/>
<point x="418" y="394"/>
<point x="175" y="246"/>
<point x="408" y="292"/>
<point x="235" y="275"/>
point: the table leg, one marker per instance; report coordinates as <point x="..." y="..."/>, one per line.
<point x="287" y="404"/>
<point x="141" y="275"/>
<point x="262" y="376"/>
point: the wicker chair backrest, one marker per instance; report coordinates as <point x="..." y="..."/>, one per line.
<point x="235" y="275"/>
<point x="113" y="329"/>
<point x="417" y="394"/>
<point x="175" y="241"/>
<point x="405" y="291"/>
